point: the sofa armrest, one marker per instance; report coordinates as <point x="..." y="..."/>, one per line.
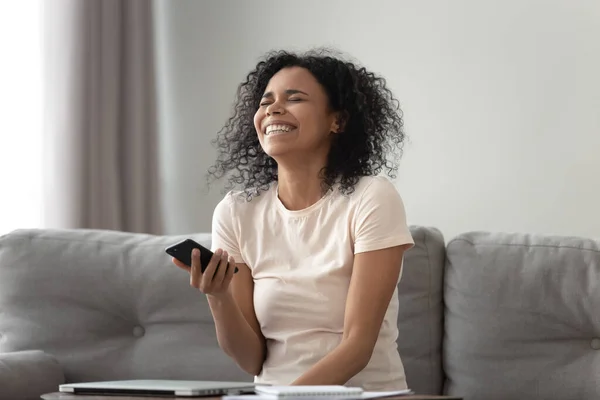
<point x="26" y="375"/>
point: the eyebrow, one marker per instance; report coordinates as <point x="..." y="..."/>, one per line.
<point x="288" y="92"/>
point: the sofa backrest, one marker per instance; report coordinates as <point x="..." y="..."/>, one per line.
<point x="421" y="311"/>
<point x="522" y="317"/>
<point x="110" y="305"/>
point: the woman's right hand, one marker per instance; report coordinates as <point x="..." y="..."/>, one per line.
<point x="216" y="277"/>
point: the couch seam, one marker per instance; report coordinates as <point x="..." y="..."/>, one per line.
<point x="429" y="304"/>
<point x="32" y="238"/>
<point x="551" y="246"/>
<point x="443" y="322"/>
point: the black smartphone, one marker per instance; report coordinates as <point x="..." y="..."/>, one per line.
<point x="183" y="252"/>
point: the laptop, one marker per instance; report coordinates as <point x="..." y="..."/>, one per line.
<point x="154" y="387"/>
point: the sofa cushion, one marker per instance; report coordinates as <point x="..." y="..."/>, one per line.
<point x="108" y="305"/>
<point x="26" y="375"/>
<point x="420" y="315"/>
<point x="522" y="317"/>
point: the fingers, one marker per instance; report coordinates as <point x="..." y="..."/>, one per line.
<point x="216" y="276"/>
<point x="195" y="271"/>
<point x="180" y="264"/>
<point x="221" y="270"/>
<point x="210" y="270"/>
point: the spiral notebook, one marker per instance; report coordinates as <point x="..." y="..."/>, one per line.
<point x="309" y="391"/>
<point x="312" y="392"/>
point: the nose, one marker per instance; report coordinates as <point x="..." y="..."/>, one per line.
<point x="275" y="108"/>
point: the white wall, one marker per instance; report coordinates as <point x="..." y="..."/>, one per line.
<point x="501" y="100"/>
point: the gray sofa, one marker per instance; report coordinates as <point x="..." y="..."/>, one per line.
<point x="487" y="316"/>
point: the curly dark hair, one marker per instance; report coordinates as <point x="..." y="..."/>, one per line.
<point x="372" y="127"/>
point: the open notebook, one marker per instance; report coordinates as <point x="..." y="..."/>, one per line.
<point x="322" y="392"/>
<point x="310" y="391"/>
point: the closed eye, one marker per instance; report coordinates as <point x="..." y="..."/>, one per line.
<point x="266" y="103"/>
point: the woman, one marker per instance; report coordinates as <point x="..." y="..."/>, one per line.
<point x="317" y="236"/>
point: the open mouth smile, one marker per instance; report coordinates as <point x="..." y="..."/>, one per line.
<point x="278" y="129"/>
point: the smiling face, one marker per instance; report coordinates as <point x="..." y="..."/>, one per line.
<point x="294" y="117"/>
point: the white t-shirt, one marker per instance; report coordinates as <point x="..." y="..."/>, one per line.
<point x="301" y="262"/>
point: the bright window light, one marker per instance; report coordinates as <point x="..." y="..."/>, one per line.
<point x="21" y="114"/>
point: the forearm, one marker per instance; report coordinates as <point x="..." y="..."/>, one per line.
<point x="235" y="336"/>
<point x="339" y="366"/>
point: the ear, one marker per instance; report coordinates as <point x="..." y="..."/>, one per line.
<point x="339" y="123"/>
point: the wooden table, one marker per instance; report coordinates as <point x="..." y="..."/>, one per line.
<point x="69" y="396"/>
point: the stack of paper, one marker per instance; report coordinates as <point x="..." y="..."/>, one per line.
<point x="310" y="391"/>
<point x="328" y="392"/>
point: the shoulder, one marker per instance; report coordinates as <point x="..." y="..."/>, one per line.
<point x="375" y="187"/>
<point x="237" y="202"/>
<point x="378" y="195"/>
<point x="376" y="181"/>
<point x="380" y="218"/>
<point x="226" y="204"/>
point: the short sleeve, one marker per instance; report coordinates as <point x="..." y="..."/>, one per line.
<point x="380" y="220"/>
<point x="223" y="229"/>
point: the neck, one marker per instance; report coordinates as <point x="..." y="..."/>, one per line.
<point x="300" y="185"/>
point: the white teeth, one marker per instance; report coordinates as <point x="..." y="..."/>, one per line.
<point x="277" y="129"/>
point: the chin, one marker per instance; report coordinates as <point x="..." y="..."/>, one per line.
<point x="274" y="153"/>
<point x="277" y="149"/>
